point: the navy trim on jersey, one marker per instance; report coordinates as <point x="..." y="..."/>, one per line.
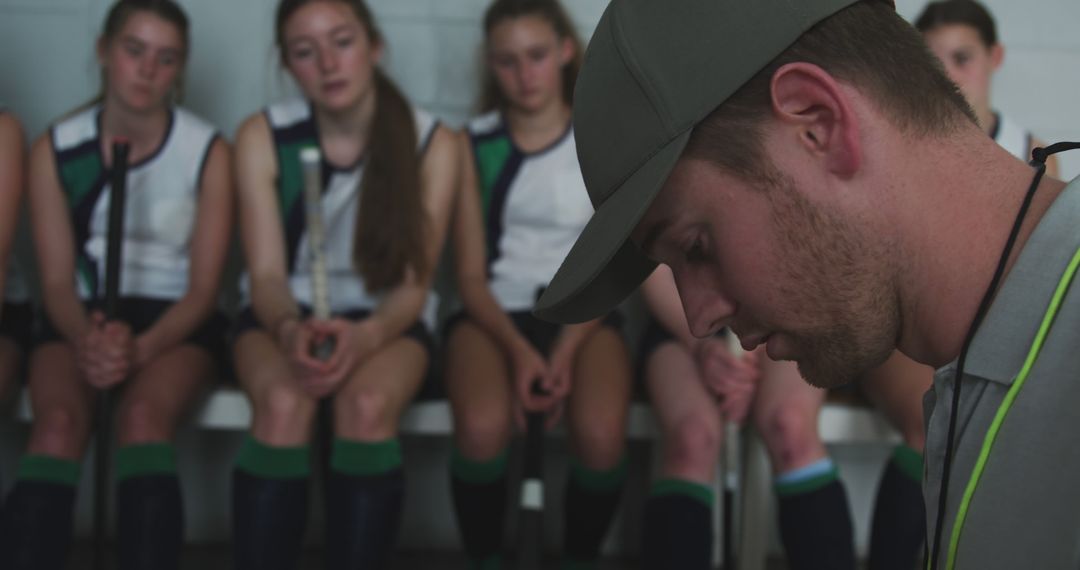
<point x="554" y="144"/>
<point x="493" y="222"/>
<point x="426" y="142"/>
<point x="149" y="158"/>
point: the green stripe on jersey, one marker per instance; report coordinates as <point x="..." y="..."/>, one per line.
<point x="290" y="174"/>
<point x="491" y="157"/>
<point x="79" y="175"/>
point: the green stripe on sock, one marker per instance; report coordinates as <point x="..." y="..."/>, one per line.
<point x="49" y="469"/>
<point x="493" y="562"/>
<point x="478" y="472"/>
<point x="702" y="493"/>
<point x="273" y="462"/>
<point x="363" y="458"/>
<point x="808" y="485"/>
<point x="145" y="459"/>
<point x="909" y="461"/>
<point x="599" y="481"/>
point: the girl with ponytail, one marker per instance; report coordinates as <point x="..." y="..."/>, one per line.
<point x="388" y="172"/>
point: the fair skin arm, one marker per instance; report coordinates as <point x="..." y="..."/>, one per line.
<point x="472" y="279"/>
<point x="104" y="349"/>
<point x="12" y="156"/>
<point x="208" y="250"/>
<point x="262" y="236"/>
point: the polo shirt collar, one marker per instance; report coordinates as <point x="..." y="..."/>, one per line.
<point x="1003" y="341"/>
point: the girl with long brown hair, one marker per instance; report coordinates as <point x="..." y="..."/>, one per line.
<point x="160" y="351"/>
<point x="388" y="173"/>
<point x="522" y="204"/>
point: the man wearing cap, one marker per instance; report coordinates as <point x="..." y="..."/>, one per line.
<point x="816" y="183"/>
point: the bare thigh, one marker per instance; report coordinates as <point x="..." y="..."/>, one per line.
<point x="369" y="406"/>
<point x="688" y="414"/>
<point x="160" y="393"/>
<point x="282" y="413"/>
<point x="478" y="384"/>
<point x="786" y="415"/>
<point x="62" y="403"/>
<point x="599" y="400"/>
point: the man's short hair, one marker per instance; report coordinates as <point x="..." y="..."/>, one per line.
<point x="866" y="45"/>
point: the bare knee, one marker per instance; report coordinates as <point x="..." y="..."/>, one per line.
<point x="141" y="421"/>
<point x="364" y="414"/>
<point x="60" y="432"/>
<point x="692" y="447"/>
<point x="482" y="434"/>
<point x="790" y="434"/>
<point x="283" y="416"/>
<point x="600" y="441"/>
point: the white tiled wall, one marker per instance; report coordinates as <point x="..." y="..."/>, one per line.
<point x="47" y="64"/>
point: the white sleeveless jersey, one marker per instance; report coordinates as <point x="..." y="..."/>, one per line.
<point x="160" y="207"/>
<point x="294" y="128"/>
<point x="1012" y="137"/>
<point x="15" y="288"/>
<point x="535" y="206"/>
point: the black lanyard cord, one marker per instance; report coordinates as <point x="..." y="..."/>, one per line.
<point x="1038" y="161"/>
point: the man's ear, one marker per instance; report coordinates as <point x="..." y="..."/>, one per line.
<point x="812" y="103"/>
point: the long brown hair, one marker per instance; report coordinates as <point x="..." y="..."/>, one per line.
<point x="167" y="10"/>
<point x="553" y="13"/>
<point x="391" y="224"/>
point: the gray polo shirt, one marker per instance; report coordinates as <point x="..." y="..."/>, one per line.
<point x="1025" y="511"/>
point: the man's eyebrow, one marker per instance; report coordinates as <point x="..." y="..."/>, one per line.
<point x="652" y="235"/>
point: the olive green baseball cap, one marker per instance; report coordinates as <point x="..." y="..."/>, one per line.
<point x="653" y="70"/>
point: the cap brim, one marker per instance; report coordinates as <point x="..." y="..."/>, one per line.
<point x="604" y="266"/>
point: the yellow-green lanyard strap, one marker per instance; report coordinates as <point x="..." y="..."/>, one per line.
<point x="1003" y="410"/>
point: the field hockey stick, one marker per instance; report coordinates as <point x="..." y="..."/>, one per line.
<point x="311" y="163"/>
<point x="531" y="499"/>
<point x="113" y="256"/>
<point x="730" y="474"/>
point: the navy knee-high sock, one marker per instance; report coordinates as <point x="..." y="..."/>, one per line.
<point x="270" y="503"/>
<point x="815" y="520"/>
<point x="678" y="529"/>
<point x="150" y="512"/>
<point x="898" y="530"/>
<point x="364" y="496"/>
<point x="37" y="519"/>
<point x="592" y="497"/>
<point x="479" y="489"/>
